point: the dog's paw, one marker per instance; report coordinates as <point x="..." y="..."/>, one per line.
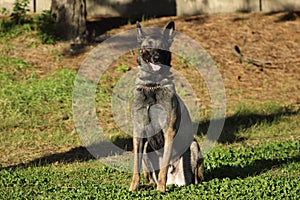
<point x="134" y="186"/>
<point x="135" y="182"/>
<point x="161" y="187"/>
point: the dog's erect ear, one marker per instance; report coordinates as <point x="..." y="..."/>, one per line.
<point x="169" y="31"/>
<point x="140" y="33"/>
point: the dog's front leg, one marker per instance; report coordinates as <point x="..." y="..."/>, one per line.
<point x="162" y="176"/>
<point x="138" y="145"/>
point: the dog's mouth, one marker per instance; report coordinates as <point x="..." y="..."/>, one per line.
<point x="155" y="67"/>
<point x="152" y="57"/>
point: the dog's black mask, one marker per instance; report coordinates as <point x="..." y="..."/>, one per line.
<point x="154" y="54"/>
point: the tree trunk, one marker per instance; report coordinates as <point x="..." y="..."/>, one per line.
<point x="69" y="17"/>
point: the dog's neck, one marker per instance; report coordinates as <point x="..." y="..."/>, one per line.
<point x="149" y="81"/>
<point x="149" y="87"/>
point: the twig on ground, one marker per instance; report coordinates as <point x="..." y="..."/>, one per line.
<point x="257" y="63"/>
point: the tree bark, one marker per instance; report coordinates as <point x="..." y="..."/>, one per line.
<point x="69" y="17"/>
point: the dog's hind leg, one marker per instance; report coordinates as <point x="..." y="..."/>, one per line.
<point x="197" y="162"/>
<point x="200" y="167"/>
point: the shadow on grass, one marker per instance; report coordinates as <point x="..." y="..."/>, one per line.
<point x="77" y="154"/>
<point x="256" y="168"/>
<point x="233" y="124"/>
<point x="243" y="121"/>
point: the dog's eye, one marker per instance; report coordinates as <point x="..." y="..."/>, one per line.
<point x="145" y="55"/>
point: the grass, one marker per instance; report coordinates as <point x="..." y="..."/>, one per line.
<point x="41" y="25"/>
<point x="268" y="171"/>
<point x="35" y="111"/>
<point x="257" y="157"/>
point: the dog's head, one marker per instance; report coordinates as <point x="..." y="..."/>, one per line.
<point x="154" y="54"/>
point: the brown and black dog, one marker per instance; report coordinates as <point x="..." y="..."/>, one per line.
<point x="163" y="133"/>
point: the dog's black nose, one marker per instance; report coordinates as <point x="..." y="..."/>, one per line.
<point x="155" y="58"/>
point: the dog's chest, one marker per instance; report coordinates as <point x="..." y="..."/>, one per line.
<point x="151" y="111"/>
<point x="150" y="98"/>
<point x="156" y="109"/>
<point x="161" y="100"/>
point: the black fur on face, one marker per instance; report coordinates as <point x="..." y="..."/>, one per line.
<point x="154" y="49"/>
<point x="155" y="56"/>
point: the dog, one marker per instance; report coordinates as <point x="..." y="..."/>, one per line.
<point x="163" y="132"/>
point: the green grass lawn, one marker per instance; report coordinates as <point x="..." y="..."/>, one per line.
<point x="258" y="156"/>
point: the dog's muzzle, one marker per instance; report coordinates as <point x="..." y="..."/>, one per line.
<point x="153" y="57"/>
